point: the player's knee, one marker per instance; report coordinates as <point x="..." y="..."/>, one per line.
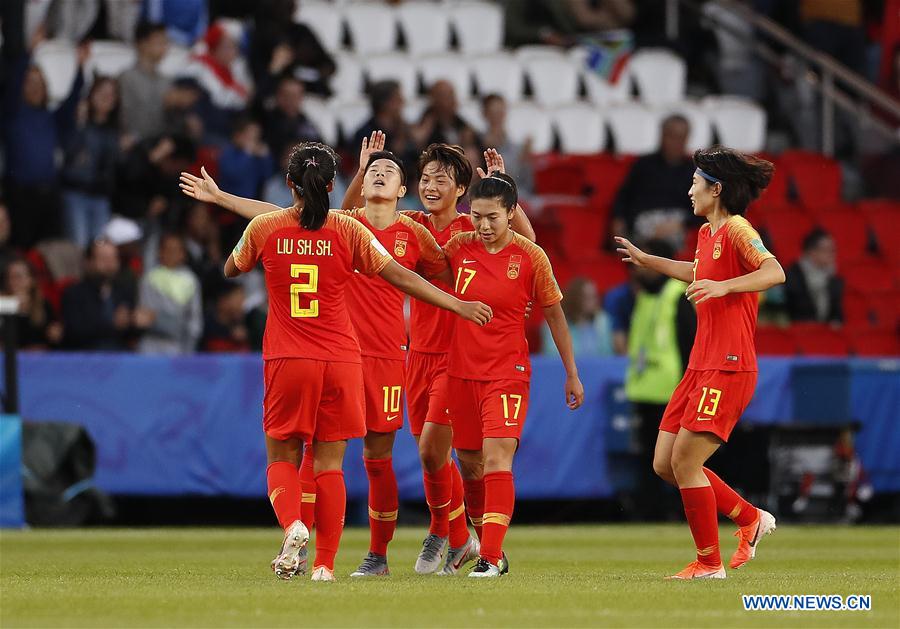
<point x="432" y="458"/>
<point x="663" y="469"/>
<point x="471" y="464"/>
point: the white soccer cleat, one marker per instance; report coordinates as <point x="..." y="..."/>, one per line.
<point x="322" y="574"/>
<point x="484" y="569"/>
<point x="288" y="561"/>
<point x="458" y="557"/>
<point x="432" y="555"/>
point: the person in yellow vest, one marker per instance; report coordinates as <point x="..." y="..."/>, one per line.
<point x="660" y="337"/>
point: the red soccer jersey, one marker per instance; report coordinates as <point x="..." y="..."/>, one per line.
<point x="306" y="274"/>
<point x="506" y="281"/>
<point x="376" y="307"/>
<point x="430" y="327"/>
<point x="726" y="325"/>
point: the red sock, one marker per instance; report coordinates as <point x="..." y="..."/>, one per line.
<point x="700" y="509"/>
<point x="475" y="502"/>
<point x="438" y="494"/>
<point x="459" y="530"/>
<point x="308" y="485"/>
<point x="499" y="500"/>
<point x="383" y="503"/>
<point x="331" y="502"/>
<point x="284" y="492"/>
<point x="729" y="502"/>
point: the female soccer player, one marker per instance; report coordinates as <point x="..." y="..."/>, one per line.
<point x="730" y="266"/>
<point x="489" y="369"/>
<point x="314" y="384"/>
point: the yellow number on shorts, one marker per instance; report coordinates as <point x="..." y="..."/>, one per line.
<point x="391" y="399"/>
<point x="311" y="285"/>
<point x="517" y="402"/>
<point x="465" y="282"/>
<point x="713" y="406"/>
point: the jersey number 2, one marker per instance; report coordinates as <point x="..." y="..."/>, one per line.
<point x="311" y="285"/>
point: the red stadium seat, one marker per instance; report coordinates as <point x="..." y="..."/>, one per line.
<point x="883" y="217"/>
<point x="816" y="178"/>
<point x="605" y="270"/>
<point x="850" y="231"/>
<point x="604" y="175"/>
<point x="559" y="174"/>
<point x="582" y="230"/>
<point x="858" y="311"/>
<point x="775" y="341"/>
<point x="786" y="230"/>
<point x="777" y="191"/>
<point x="871" y="277"/>
<point x="820" y="339"/>
<point x="875" y="342"/>
<point x="885" y="309"/>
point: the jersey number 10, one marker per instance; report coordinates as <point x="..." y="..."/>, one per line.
<point x="311" y="285"/>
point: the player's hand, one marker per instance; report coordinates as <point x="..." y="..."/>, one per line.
<point x="629" y="252"/>
<point x="701" y="290"/>
<point x="203" y="189"/>
<point x="493" y="162"/>
<point x="476" y="312"/>
<point x="574" y="392"/>
<point x="529" y="307"/>
<point x="371" y="144"/>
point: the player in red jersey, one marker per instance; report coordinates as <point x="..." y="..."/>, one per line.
<point x="731" y="265"/>
<point x="489" y="369"/>
<point x="445" y="173"/>
<point x="314" y="385"/>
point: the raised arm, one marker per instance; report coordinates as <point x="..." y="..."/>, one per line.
<point x="414" y="286"/>
<point x="559" y="329"/>
<point x="206" y="190"/>
<point x="677" y="269"/>
<point x="493" y="162"/>
<point x="354" y="195"/>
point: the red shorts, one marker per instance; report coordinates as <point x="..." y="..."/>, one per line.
<point x="709" y="401"/>
<point x="307" y="399"/>
<point x="486" y="409"/>
<point x="426" y="390"/>
<point x="384" y="379"/>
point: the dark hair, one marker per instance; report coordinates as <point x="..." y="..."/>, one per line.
<point x="743" y="176"/>
<point x="497" y="185"/>
<point x="241" y="122"/>
<point x="675" y="118"/>
<point x="451" y="158"/>
<point x="389" y="156"/>
<point x="382" y="92"/>
<point x="91" y="250"/>
<point x="311" y="168"/>
<point x="487" y="100"/>
<point x="573" y="299"/>
<point x="113" y="117"/>
<point x="814" y="238"/>
<point x="145" y="29"/>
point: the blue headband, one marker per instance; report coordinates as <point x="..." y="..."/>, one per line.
<point x="709" y="177"/>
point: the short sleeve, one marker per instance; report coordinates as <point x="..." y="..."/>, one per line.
<point x="748" y="245"/>
<point x="369" y="256"/>
<point x="432" y="261"/>
<point x="246" y="253"/>
<point x="546" y="290"/>
<point x="453" y="246"/>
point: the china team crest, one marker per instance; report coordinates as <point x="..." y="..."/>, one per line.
<point x="400" y="245"/>
<point x="512" y="270"/>
<point x="717" y="250"/>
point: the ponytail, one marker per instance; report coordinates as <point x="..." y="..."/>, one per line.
<point x="311" y="169"/>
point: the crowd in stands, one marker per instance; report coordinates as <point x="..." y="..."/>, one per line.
<point x="105" y="253"/>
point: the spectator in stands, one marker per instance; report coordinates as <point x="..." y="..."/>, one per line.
<point x="88" y="172"/>
<point x="36" y="323"/>
<point x="559" y="22"/>
<point x="98" y="313"/>
<point x="7" y="252"/>
<point x="836" y="28"/>
<point x="185" y="109"/>
<point x="387" y="102"/>
<point x="225" y="329"/>
<point x="813" y="291"/>
<point x="143" y="90"/>
<point x="185" y="20"/>
<point x="653" y="200"/>
<point x="517" y="157"/>
<point x="147" y="185"/>
<point x="441" y="122"/>
<point x="281" y="46"/>
<point x="286" y="123"/>
<point x="32" y="134"/>
<point x="618" y="303"/>
<point x="170" y="294"/>
<point x="203" y="243"/>
<point x="245" y="164"/>
<point x="589" y="325"/>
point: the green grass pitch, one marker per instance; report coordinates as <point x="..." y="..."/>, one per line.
<point x="574" y="576"/>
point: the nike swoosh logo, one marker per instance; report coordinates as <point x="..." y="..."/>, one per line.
<point x="391" y="418"/>
<point x="511" y="424"/>
<point x="466" y="261"/>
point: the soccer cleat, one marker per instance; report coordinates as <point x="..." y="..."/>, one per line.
<point x="749" y="536"/>
<point x="458" y="557"/>
<point x="433" y="549"/>
<point x="288" y="561"/>
<point x="322" y="573"/>
<point x="503" y="564"/>
<point x="304" y="561"/>
<point x="696" y="570"/>
<point x="484" y="569"/>
<point x="372" y="566"/>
